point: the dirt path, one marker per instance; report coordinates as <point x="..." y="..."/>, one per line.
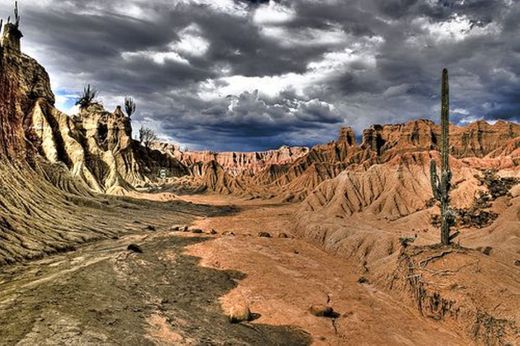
<point x="284" y="277"/>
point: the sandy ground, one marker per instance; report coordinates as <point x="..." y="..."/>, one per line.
<point x="285" y="276"/>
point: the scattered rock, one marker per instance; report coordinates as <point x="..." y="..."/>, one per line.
<point x="264" y="235"/>
<point x="150" y="228"/>
<point x="177" y="227"/>
<point x="362" y="280"/>
<point x="487" y="250"/>
<point x="228" y="233"/>
<point x="135" y="248"/>
<point x="322" y="311"/>
<point x="196" y="230"/>
<point x="283" y="235"/>
<point x="239" y="313"/>
<point x="213" y="232"/>
<point x="185" y="229"/>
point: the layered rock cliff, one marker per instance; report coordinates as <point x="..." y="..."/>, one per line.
<point x="95" y="146"/>
<point x="292" y="173"/>
<point x="236" y="163"/>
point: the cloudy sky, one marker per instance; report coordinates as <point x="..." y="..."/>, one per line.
<point x="250" y="75"/>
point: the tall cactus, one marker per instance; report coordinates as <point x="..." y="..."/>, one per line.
<point x="16" y="15"/>
<point x="441" y="185"/>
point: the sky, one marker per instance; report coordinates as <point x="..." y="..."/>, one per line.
<point x="247" y="75"/>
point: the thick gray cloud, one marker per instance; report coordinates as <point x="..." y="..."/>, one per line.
<point x="247" y="75"/>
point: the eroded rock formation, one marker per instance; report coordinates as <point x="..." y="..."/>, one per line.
<point x="52" y="165"/>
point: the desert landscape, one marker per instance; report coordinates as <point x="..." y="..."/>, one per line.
<point x="110" y="240"/>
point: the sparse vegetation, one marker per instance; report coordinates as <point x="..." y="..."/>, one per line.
<point x="147" y="136"/>
<point x="87" y="98"/>
<point x="129" y="106"/>
<point x="441" y="185"/>
<point x="497" y="186"/>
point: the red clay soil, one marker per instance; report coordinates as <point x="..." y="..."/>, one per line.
<point x="285" y="276"/>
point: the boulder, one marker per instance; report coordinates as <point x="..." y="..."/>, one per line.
<point x="320" y="310"/>
<point x="239" y="313"/>
<point x="135" y="248"/>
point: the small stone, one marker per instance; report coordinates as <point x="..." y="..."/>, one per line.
<point x="517" y="263"/>
<point x="150" y="228"/>
<point x="487" y="250"/>
<point x="322" y="311"/>
<point x="228" y="233"/>
<point x="264" y="235"/>
<point x="213" y="232"/>
<point x="134" y="248"/>
<point x="283" y="235"/>
<point x="239" y="313"/>
<point x="362" y="280"/>
<point x="196" y="230"/>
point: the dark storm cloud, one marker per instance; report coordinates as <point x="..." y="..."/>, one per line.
<point x="194" y="65"/>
